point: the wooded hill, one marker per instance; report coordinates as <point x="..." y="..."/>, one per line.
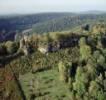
<point x="45" y="22"/>
<point x="76" y="72"/>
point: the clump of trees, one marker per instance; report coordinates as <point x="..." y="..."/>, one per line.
<point x="86" y="27"/>
<point x="88" y="79"/>
<point x="11" y="47"/>
<point x="8" y="48"/>
<point x="85" y="50"/>
<point x="81" y="81"/>
<point x="64" y="70"/>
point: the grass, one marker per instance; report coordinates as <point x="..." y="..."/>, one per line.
<point x="47" y="84"/>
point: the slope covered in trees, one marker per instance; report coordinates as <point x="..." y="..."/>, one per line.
<point x="44" y="22"/>
<point x="21" y="22"/>
<point x="73" y="66"/>
<point x="12" y="25"/>
<point x="68" y="23"/>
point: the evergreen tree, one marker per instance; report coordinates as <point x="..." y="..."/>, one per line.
<point x="11" y="47"/>
<point x="85" y="50"/>
<point x="80" y="82"/>
<point x="64" y="71"/>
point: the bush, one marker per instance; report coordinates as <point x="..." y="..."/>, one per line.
<point x="81" y="81"/>
<point x="101" y="60"/>
<point x="11" y="47"/>
<point x="64" y="70"/>
<point x="86" y="27"/>
<point x="82" y="41"/>
<point x="96" y="91"/>
<point x="92" y="68"/>
<point x="85" y="50"/>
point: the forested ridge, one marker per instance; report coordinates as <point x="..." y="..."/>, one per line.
<point x="44" y="22"/>
<point x="21" y="22"/>
<point x="67" y="23"/>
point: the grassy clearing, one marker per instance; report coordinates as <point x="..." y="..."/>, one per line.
<point x="47" y="84"/>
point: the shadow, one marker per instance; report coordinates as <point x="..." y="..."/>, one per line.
<point x="7" y="59"/>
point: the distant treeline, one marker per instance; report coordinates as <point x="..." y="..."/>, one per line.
<point x="21" y="22"/>
<point x="43" y="23"/>
<point x="67" y="23"/>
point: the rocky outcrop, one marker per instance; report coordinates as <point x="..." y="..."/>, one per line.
<point x="24" y="45"/>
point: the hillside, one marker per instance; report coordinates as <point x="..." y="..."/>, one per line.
<point x="57" y="66"/>
<point x="11" y="25"/>
<point x="44" y="22"/>
<point x="68" y="22"/>
<point x="21" y="22"/>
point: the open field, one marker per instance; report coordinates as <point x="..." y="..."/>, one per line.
<point x="47" y="85"/>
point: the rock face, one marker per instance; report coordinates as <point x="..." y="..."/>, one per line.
<point x="24" y="45"/>
<point x="26" y="50"/>
<point x="43" y="50"/>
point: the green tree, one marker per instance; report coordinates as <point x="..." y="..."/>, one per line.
<point x="101" y="60"/>
<point x="64" y="70"/>
<point x="96" y="91"/>
<point x="11" y="47"/>
<point x="91" y="67"/>
<point x="82" y="41"/>
<point x="85" y="51"/>
<point x="96" y="54"/>
<point x="81" y="81"/>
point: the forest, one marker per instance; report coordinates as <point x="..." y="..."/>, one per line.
<point x="66" y="65"/>
<point x="11" y="26"/>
